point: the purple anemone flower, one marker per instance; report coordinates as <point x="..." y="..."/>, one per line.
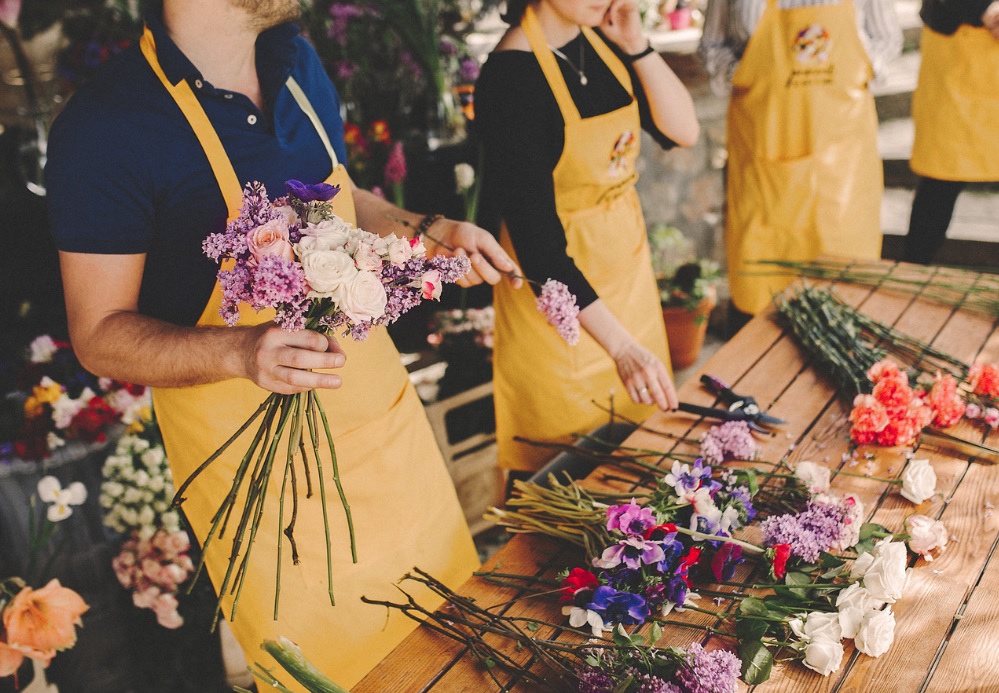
<point x="632" y="552"/>
<point x="619" y="607"/>
<point x="630" y="518"/>
<point x="305" y="192"/>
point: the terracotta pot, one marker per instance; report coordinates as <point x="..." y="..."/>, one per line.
<point x="685" y="330"/>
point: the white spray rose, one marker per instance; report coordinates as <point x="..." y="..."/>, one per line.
<point x="925" y="535"/>
<point x="919" y="481"/>
<point x="853" y="604"/>
<point x="877" y="632"/>
<point x="331" y="233"/>
<point x="815" y="477"/>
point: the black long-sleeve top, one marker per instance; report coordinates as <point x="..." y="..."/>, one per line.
<point x="945" y="16"/>
<point x="523" y="134"/>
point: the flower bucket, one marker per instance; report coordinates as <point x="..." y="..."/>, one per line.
<point x="686" y="329"/>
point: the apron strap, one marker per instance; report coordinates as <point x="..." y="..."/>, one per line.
<point x="542" y="51"/>
<point x="306" y="106"/>
<point x="181" y="92"/>
<point x="610" y="59"/>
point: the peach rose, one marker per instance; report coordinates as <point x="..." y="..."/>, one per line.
<point x="10" y="660"/>
<point x="44" y="619"/>
<point x="270" y="239"/>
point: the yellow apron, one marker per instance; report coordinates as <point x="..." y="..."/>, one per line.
<point x="544" y="388"/>
<point x="804" y="174"/>
<point x="403" y="502"/>
<point x="956" y="106"/>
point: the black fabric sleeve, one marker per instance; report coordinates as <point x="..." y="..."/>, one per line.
<point x="946" y="16"/>
<point x="522" y="134"/>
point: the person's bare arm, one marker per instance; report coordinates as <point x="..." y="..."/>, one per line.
<point x="669" y="101"/>
<point x="112" y="339"/>
<point x="445" y="237"/>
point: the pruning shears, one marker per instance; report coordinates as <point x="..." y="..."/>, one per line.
<point x="740" y="407"/>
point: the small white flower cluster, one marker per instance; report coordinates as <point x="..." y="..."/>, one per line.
<point x="138" y="488"/>
<point x="863" y="611"/>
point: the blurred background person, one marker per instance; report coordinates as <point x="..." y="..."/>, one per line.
<point x="956" y="112"/>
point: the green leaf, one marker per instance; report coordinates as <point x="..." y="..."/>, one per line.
<point x="624" y="685"/>
<point x="796" y="579"/>
<point x="828" y="560"/>
<point x="757" y="661"/>
<point x="864" y="546"/>
<point x="657" y="632"/>
<point x="752" y="606"/>
<point x="750" y="629"/>
<point x="489" y="662"/>
<point x="533" y="627"/>
<point x="868" y="530"/>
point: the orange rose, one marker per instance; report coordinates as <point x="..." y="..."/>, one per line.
<point x="10" y="660"/>
<point x="44" y="619"/>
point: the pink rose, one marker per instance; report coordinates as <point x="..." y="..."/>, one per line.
<point x="270" y="239"/>
<point x="144" y="599"/>
<point x="366" y="258"/>
<point x="925" y="535"/>
<point x="992" y="417"/>
<point x="399" y="250"/>
<point x="432" y="285"/>
<point x="170" y="619"/>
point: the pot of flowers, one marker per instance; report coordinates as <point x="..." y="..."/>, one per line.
<point x="687" y="290"/>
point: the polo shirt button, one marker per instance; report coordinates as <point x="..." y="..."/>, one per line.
<point x="251" y="119"/>
<point x="198" y="83"/>
<point x="227" y="96"/>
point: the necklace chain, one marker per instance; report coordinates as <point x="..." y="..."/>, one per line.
<point x="578" y="70"/>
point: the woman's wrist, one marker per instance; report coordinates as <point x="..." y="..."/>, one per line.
<point x="636" y="56"/>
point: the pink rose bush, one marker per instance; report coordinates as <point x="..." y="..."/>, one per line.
<point x="154" y="569"/>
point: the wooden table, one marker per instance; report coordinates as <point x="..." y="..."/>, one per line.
<point x="947" y="634"/>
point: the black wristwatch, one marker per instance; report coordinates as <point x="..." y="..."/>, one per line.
<point x="629" y="59"/>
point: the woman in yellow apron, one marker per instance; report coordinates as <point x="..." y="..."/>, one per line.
<point x="956" y="112"/>
<point x="563" y="181"/>
<point x="804" y="174"/>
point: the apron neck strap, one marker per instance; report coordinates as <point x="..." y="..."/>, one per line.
<point x="609" y="58"/>
<point x="182" y="94"/>
<point x="225" y="175"/>
<point x="542" y="51"/>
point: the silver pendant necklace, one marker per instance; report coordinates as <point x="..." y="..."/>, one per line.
<point x="582" y="65"/>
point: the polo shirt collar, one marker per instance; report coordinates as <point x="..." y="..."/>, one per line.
<point x="276" y="52"/>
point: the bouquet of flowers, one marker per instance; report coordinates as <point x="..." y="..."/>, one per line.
<point x="318" y="272"/>
<point x="54" y="401"/>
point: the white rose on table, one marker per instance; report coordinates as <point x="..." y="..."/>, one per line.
<point x="362" y="298"/>
<point x="815" y="477"/>
<point x="824" y="656"/>
<point x="327" y="271"/>
<point x="919" y="481"/>
<point x="877" y="632"/>
<point x="925" y="535"/>
<point x="853" y="604"/>
<point x="885" y="577"/>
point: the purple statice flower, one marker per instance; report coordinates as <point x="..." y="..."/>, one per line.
<point x="451" y="268"/>
<point x="731" y="440"/>
<point x="560" y="309"/>
<point x="618" y="607"/>
<point x="817" y="528"/>
<point x="341" y="14"/>
<point x="395" y="166"/>
<point x="311" y="192"/>
<point x="633" y="552"/>
<point x="236" y="288"/>
<point x="593" y="680"/>
<point x="650" y="683"/>
<point x="630" y="518"/>
<point x="468" y="70"/>
<point x="216" y="246"/>
<point x="277" y="282"/>
<point x="710" y="672"/>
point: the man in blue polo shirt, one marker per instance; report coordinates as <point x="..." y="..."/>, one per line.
<point x="144" y="162"/>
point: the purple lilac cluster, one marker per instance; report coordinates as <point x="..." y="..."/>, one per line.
<point x="341" y="14"/>
<point x="559" y="307"/>
<point x="816" y="529"/>
<point x="731" y="440"/>
<point x="666" y="670"/>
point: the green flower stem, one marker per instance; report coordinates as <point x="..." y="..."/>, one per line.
<point x="700" y="536"/>
<point x="343" y="499"/>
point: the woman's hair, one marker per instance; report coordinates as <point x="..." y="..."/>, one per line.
<point x="515" y="11"/>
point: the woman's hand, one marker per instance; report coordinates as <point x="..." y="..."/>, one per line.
<point x="623" y="25"/>
<point x="489" y="261"/>
<point x="645" y="376"/>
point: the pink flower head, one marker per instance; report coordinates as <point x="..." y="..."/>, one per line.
<point x="395" y="166"/>
<point x="431" y="285"/>
<point x="991" y="417"/>
<point x="560" y="309"/>
<point x="984" y="379"/>
<point x="630" y="518"/>
<point x="869" y="418"/>
<point x="946" y="403"/>
<point x="270" y="239"/>
<point x="894" y="394"/>
<point x="885" y="368"/>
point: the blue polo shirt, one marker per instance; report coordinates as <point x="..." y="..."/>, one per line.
<point x="127" y="175"/>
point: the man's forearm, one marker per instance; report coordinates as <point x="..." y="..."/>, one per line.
<point x="139" y="349"/>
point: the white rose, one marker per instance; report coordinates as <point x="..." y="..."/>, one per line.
<point x="919" y="481"/>
<point x="860" y="566"/>
<point x="876" y="633"/>
<point x="333" y="233"/>
<point x="885" y="578"/>
<point x="419" y="250"/>
<point x="823" y="625"/>
<point x="824" y="656"/>
<point x="853" y="604"/>
<point x="925" y="535"/>
<point x="366" y="258"/>
<point x="399" y="250"/>
<point x="327" y="271"/>
<point x="815" y="477"/>
<point x="358" y="236"/>
<point x="363" y="298"/>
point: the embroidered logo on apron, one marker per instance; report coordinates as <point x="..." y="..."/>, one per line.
<point x="619" y="154"/>
<point x="811" y="50"/>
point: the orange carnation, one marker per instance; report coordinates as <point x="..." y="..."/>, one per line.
<point x="984" y="379"/>
<point x="44" y="620"/>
